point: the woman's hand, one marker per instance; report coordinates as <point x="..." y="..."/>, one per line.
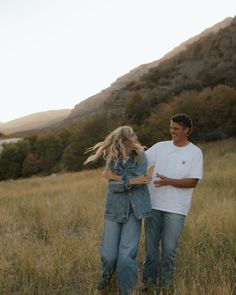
<point x="111" y="176"/>
<point x="142" y="179"/>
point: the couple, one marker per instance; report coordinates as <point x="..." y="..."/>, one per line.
<point x="163" y="204"/>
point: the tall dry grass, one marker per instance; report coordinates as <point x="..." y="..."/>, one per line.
<point x="50" y="230"/>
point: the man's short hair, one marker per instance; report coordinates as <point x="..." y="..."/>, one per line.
<point x="183" y="120"/>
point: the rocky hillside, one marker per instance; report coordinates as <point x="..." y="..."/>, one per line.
<point x="206" y="59"/>
<point x="115" y="95"/>
<point x="35" y="121"/>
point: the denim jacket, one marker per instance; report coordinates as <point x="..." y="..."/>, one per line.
<point x="120" y="196"/>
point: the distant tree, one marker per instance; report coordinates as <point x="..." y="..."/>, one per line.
<point x="156" y="127"/>
<point x="12" y="158"/>
<point x="32" y="141"/>
<point x="31" y="165"/>
<point x="136" y="109"/>
<point x="65" y="136"/>
<point x="49" y="150"/>
<point x="213" y="112"/>
<point x="88" y="133"/>
<point x="223" y="109"/>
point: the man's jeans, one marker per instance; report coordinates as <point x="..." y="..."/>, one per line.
<point x="165" y="228"/>
<point x="119" y="250"/>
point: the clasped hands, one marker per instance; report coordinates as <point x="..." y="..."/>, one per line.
<point x="142" y="179"/>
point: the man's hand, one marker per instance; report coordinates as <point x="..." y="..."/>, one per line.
<point x="182" y="183"/>
<point x="161" y="180"/>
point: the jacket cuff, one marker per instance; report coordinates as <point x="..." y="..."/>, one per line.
<point x="126" y="182"/>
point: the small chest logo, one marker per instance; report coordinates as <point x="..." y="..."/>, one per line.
<point x="183" y="162"/>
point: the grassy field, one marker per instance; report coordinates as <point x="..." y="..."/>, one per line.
<point x="50" y="230"/>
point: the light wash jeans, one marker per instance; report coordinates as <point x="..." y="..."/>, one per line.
<point x="162" y="228"/>
<point x="119" y="250"/>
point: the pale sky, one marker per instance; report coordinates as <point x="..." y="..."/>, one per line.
<point x="56" y="53"/>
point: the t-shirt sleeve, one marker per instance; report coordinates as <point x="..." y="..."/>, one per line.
<point x="151" y="155"/>
<point x="197" y="166"/>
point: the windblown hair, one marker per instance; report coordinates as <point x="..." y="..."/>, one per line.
<point x="112" y="149"/>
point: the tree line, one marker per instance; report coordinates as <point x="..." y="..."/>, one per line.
<point x="213" y="111"/>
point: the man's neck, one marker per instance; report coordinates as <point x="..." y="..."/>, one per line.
<point x="181" y="143"/>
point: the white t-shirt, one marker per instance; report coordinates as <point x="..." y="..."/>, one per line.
<point x="174" y="162"/>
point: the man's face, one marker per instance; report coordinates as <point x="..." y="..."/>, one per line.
<point x="179" y="134"/>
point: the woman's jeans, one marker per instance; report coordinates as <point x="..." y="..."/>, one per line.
<point x="119" y="250"/>
<point x="165" y="228"/>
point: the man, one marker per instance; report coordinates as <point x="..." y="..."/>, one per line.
<point x="178" y="167"/>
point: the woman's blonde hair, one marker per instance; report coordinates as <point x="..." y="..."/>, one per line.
<point x="113" y="149"/>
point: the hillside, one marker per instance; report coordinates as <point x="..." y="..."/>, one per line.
<point x="208" y="62"/>
<point x="199" y="80"/>
<point x="116" y="95"/>
<point x="35" y="121"/>
<point x="180" y="69"/>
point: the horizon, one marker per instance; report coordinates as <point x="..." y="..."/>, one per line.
<point x="45" y="67"/>
<point x="28" y="115"/>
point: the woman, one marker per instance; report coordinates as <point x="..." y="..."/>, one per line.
<point x="127" y="202"/>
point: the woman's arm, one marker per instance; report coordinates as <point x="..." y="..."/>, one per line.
<point x="120" y="183"/>
<point x="142" y="179"/>
<point x="111" y="176"/>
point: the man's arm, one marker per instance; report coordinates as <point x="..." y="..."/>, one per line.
<point x="182" y="183"/>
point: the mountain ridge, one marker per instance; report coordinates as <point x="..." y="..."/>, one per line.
<point x="114" y="94"/>
<point x="92" y="104"/>
<point x="37" y="120"/>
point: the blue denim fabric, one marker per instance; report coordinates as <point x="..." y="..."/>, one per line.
<point x="119" y="249"/>
<point x="165" y="228"/>
<point x="119" y="195"/>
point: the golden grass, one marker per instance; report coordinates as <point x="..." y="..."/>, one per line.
<point x="50" y="230"/>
